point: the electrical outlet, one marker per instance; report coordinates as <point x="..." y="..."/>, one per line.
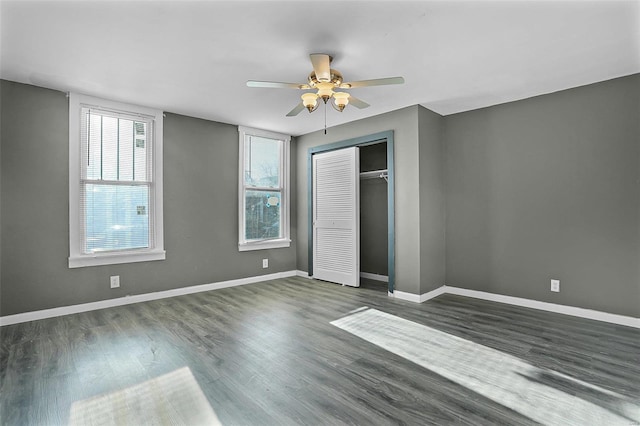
<point x="115" y="281"/>
<point x="265" y="263"/>
<point x="555" y="286"/>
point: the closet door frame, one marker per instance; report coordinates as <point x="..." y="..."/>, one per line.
<point x="375" y="138"/>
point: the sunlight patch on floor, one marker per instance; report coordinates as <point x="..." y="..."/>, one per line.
<point x="172" y="399"/>
<point x="500" y="377"/>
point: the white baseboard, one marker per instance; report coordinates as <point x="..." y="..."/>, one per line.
<point x="546" y="306"/>
<point x="527" y="303"/>
<point x="410" y="297"/>
<point x="433" y="293"/>
<point x="137" y="298"/>
<point x="418" y="298"/>
<point x="375" y="277"/>
<point x="367" y="275"/>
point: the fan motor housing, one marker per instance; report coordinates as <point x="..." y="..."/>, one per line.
<point x="336" y="78"/>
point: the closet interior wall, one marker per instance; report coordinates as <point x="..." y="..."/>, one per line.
<point x="373" y="210"/>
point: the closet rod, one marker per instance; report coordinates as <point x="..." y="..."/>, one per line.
<point x="375" y="174"/>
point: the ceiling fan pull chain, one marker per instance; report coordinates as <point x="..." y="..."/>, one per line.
<point x="325" y="118"/>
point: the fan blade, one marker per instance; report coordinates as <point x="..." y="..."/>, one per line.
<point x="357" y="102"/>
<point x="375" y="82"/>
<point x="296" y="110"/>
<point x="321" y="66"/>
<point x="276" y="85"/>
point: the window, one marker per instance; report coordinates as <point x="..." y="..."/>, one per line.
<point x="264" y="190"/>
<point x="115" y="183"/>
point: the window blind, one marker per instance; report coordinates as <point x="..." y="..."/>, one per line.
<point x="116" y="181"/>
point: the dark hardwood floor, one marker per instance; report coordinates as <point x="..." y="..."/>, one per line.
<point x="268" y="354"/>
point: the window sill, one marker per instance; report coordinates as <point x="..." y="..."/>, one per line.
<point x="115" y="258"/>
<point x="263" y="245"/>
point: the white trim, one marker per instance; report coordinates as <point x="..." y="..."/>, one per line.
<point x="74" y="176"/>
<point x="418" y="298"/>
<point x="127" y="300"/>
<point x="263" y="133"/>
<point x="137" y="298"/>
<point x="77" y="258"/>
<point x="433" y="293"/>
<point x="410" y="297"/>
<point x="518" y="301"/>
<point x="376" y="277"/>
<point x="263" y="245"/>
<point x="116" y="258"/>
<point x="285" y="184"/>
<point x="545" y="306"/>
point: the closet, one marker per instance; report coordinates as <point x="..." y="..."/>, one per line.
<point x="373" y="214"/>
<point x="352" y="212"/>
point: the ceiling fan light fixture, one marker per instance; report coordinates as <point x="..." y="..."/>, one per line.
<point x="325" y="80"/>
<point x="310" y="101"/>
<point x="340" y="100"/>
<point x="325" y="91"/>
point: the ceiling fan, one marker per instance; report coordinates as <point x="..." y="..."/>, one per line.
<point x="325" y="80"/>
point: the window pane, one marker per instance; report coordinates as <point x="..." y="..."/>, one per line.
<point x="117" y="217"/>
<point x="115" y="148"/>
<point x="262" y="214"/>
<point x="262" y="161"/>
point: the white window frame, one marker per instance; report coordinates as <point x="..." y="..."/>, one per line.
<point x="285" y="240"/>
<point x="77" y="258"/>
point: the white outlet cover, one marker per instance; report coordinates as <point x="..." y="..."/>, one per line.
<point x="555" y="285"/>
<point x="265" y="263"/>
<point x="115" y="281"/>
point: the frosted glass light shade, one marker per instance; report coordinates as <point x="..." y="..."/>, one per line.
<point x="341" y="99"/>
<point x="309" y="100"/>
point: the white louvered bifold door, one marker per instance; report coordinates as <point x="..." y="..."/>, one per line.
<point x="336" y="216"/>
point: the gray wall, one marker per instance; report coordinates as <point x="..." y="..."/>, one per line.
<point x="373" y="227"/>
<point x="1" y="96"/>
<point x="548" y="187"/>
<point x="200" y="210"/>
<point x="432" y="200"/>
<point x="404" y="123"/>
<point x="373" y="212"/>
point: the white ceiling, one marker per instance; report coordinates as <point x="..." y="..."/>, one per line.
<point x="194" y="58"/>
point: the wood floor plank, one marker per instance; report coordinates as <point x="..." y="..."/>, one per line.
<point x="268" y="354"/>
